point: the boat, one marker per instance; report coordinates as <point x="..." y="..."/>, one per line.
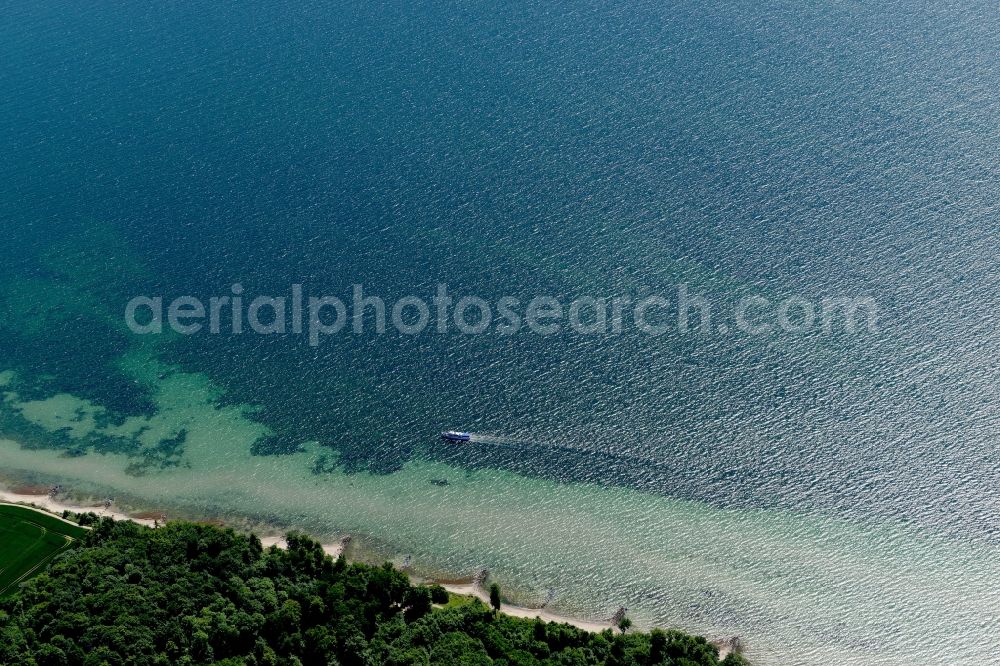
<point x="454" y="436"/>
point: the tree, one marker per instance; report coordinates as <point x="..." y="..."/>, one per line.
<point x="418" y="603"/>
<point x="50" y="655"/>
<point x="539" y="633"/>
<point x="624" y="624"/>
<point x="459" y="648"/>
<point x="495" y="598"/>
<point x="439" y="595"/>
<point x="657" y="646"/>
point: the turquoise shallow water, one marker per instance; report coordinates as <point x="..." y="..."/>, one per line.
<point x="824" y="496"/>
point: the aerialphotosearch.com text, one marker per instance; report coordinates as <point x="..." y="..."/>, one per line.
<point x="317" y="317"/>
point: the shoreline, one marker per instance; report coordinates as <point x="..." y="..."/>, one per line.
<point x="39" y="498"/>
<point x="473" y="590"/>
<point x="43" y="500"/>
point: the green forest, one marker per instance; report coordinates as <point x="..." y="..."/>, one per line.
<point x="196" y="594"/>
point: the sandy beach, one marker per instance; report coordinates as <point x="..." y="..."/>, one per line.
<point x="529" y="613"/>
<point x="39" y="497"/>
<point x="331" y="549"/>
<point x="596" y="626"/>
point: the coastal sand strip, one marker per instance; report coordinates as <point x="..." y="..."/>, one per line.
<point x="528" y="613"/>
<point x="55" y="506"/>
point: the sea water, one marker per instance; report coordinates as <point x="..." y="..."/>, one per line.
<point x="824" y="496"/>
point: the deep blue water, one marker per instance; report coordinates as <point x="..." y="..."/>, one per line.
<point x="811" y="149"/>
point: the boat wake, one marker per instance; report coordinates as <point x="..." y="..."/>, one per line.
<point x="540" y="446"/>
<point x="499" y="440"/>
<point x="533" y="445"/>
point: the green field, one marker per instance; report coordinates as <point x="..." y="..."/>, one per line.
<point x="29" y="540"/>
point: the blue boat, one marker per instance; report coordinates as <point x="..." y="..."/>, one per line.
<point x="453" y="436"/>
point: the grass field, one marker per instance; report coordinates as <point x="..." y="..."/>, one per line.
<point x="456" y="600"/>
<point x="29" y="540"/>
